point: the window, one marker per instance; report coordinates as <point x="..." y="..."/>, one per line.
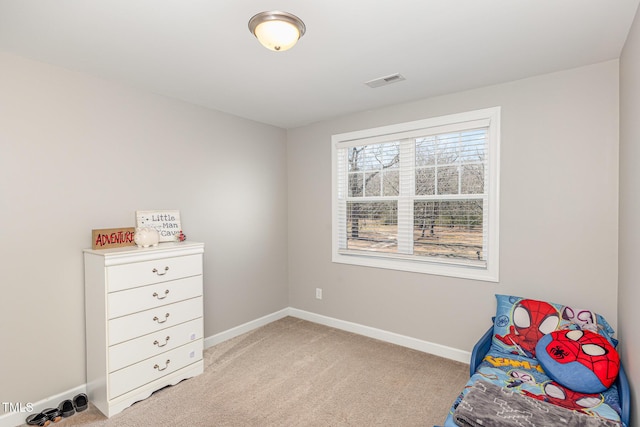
<point x="420" y="196"/>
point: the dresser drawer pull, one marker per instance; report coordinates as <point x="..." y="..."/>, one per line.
<point x="155" y="270"/>
<point x="166" y="341"/>
<point x="166" y="292"/>
<point x="166" y="365"/>
<point x="166" y="316"/>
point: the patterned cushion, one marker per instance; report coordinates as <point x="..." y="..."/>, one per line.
<point x="579" y="360"/>
<point x="521" y="322"/>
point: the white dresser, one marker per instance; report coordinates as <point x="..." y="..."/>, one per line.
<point x="143" y="321"/>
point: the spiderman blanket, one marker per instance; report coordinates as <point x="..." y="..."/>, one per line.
<point x="487" y="404"/>
<point x="524" y="376"/>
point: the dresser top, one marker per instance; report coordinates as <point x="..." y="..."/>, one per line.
<point x="134" y="250"/>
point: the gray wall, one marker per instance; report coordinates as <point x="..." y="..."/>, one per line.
<point x="559" y="210"/>
<point x="629" y="265"/>
<point x="79" y="153"/>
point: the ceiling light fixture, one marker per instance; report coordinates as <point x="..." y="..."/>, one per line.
<point x="275" y="30"/>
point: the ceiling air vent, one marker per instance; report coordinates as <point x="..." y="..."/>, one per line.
<point x="387" y="80"/>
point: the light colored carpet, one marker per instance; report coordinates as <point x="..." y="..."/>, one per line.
<point x="297" y="373"/>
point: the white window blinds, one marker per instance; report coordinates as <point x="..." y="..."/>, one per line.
<point x="418" y="192"/>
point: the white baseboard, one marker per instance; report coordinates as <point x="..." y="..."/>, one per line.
<point x="244" y="328"/>
<point x="379" y="334"/>
<point x="367" y="331"/>
<point x="12" y="419"/>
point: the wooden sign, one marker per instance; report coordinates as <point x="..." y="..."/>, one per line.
<point x="166" y="222"/>
<point x="112" y="237"/>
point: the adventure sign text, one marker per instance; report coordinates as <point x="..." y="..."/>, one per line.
<point x="112" y="237"/>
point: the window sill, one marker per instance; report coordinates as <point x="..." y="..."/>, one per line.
<point x="425" y="267"/>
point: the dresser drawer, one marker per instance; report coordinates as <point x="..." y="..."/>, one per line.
<point x="149" y="321"/>
<point x="135" y="350"/>
<point x="130" y="301"/>
<point x="127" y="276"/>
<point x="127" y="379"/>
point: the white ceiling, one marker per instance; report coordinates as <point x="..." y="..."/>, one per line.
<point x="201" y="51"/>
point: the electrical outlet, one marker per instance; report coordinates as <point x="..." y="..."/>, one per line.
<point x="318" y="293"/>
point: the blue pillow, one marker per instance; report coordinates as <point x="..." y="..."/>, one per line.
<point x="582" y="361"/>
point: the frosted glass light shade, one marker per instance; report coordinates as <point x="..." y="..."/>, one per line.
<point x="277" y="31"/>
<point x="277" y="35"/>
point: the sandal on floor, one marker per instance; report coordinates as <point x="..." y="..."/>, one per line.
<point x="66" y="408"/>
<point x="54" y="414"/>
<point x="38" y="420"/>
<point x="81" y="402"/>
<point x="45" y="417"/>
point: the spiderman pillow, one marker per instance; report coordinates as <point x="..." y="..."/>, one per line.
<point x="521" y="322"/>
<point x="580" y="360"/>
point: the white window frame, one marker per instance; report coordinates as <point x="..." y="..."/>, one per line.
<point x="490" y="272"/>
